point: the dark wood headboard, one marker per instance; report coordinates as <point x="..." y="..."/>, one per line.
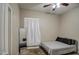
<point x="68" y="41"/>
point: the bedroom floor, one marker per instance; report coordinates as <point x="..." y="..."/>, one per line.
<point x="37" y="51"/>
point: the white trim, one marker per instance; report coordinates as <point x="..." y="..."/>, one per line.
<point x="11" y="25"/>
<point x="6" y="26"/>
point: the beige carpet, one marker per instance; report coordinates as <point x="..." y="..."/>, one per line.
<point x="36" y="51"/>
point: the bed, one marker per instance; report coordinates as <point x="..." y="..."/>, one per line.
<point x="60" y="46"/>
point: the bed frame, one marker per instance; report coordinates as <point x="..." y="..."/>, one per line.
<point x="66" y="41"/>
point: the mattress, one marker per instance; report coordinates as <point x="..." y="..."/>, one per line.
<point x="56" y="47"/>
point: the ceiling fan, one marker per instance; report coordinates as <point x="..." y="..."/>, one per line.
<point x="56" y="5"/>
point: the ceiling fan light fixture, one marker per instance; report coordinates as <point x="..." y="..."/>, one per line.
<point x="58" y="5"/>
<point x="54" y="6"/>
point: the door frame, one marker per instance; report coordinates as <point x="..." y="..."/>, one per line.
<point x="6" y="28"/>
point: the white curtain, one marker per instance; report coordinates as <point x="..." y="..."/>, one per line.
<point x="32" y="29"/>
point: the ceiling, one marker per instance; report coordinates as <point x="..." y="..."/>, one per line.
<point x="39" y="7"/>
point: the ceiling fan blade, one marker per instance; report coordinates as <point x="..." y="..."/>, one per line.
<point x="65" y="4"/>
<point x="46" y="5"/>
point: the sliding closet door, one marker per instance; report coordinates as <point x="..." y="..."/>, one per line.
<point x="2" y="25"/>
<point x="5" y="29"/>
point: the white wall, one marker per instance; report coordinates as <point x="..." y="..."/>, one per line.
<point x="15" y="28"/>
<point x="48" y="23"/>
<point x="22" y="35"/>
<point x="69" y="25"/>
